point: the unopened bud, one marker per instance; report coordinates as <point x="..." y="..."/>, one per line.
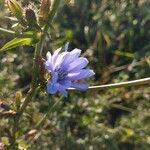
<point x="15" y="8"/>
<point x="30" y="17"/>
<point x="18" y="99"/>
<point x="44" y="11"/>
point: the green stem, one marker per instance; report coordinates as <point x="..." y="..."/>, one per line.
<point x="26" y="101"/>
<point x="38" y="52"/>
<point x="7" y="32"/>
<point x="122" y="107"/>
<point x="35" y="77"/>
<point x="53" y="11"/>
<point x="50" y="19"/>
<point x="14" y="130"/>
<point x="51" y="108"/>
<point x="14" y="34"/>
<point x="119" y="85"/>
<point x="30" y="95"/>
<point x="34" y="83"/>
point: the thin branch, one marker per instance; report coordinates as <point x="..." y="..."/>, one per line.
<point x="7" y="32"/>
<point x="40" y="123"/>
<point x="14" y="34"/>
<point x="119" y="85"/>
<point x="26" y="101"/>
<point x="127" y="66"/>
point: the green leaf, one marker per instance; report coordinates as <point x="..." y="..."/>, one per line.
<point x="18" y="42"/>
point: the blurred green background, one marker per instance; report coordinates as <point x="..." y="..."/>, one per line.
<point x="115" y="37"/>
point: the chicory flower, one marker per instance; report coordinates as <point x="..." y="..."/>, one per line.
<point x="66" y="69"/>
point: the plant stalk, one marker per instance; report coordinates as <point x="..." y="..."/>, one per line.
<point x="138" y="82"/>
<point x="14" y="34"/>
<point x="35" y="74"/>
<point x="51" y="108"/>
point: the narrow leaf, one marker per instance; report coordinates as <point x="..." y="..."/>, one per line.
<point x="17" y="42"/>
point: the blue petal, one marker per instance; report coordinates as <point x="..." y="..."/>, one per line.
<point x="70" y="57"/>
<point x="80" y="86"/>
<point x="66" y="83"/>
<point x="48" y="63"/>
<point x="78" y="64"/>
<point x="76" y="51"/>
<point x="62" y="90"/>
<point x="66" y="46"/>
<point x="52" y="87"/>
<point x="49" y="66"/>
<point x="54" y="77"/>
<point x="55" y="55"/>
<point x="78" y="75"/>
<point x="59" y="60"/>
<point x="48" y="56"/>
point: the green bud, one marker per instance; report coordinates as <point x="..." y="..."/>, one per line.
<point x="44" y="11"/>
<point x="18" y="99"/>
<point x="15" y="8"/>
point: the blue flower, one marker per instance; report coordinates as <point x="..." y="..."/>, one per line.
<point x="65" y="70"/>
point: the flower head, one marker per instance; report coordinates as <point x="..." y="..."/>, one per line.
<point x="66" y="69"/>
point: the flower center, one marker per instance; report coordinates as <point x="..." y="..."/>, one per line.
<point x="61" y="74"/>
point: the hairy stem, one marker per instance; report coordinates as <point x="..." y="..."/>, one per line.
<point x="35" y="77"/>
<point x="37" y="55"/>
<point x="35" y="74"/>
<point x="53" y="11"/>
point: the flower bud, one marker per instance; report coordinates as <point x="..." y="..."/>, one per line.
<point x="30" y="17"/>
<point x="44" y="11"/>
<point x="18" y="99"/>
<point x="15" y="8"/>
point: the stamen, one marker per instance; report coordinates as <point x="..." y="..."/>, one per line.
<point x="61" y="74"/>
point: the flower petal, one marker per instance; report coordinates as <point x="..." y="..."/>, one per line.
<point x="78" y="75"/>
<point x="80" y="86"/>
<point x="48" y="56"/>
<point x="78" y="64"/>
<point x="65" y="68"/>
<point x="55" y="55"/>
<point x="76" y="51"/>
<point x="52" y="87"/>
<point x="59" y="60"/>
<point x="62" y="90"/>
<point x="70" y="57"/>
<point x="49" y="66"/>
<point x="54" y="77"/>
<point x="66" y="83"/>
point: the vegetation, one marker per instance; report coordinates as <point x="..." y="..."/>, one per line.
<point x="115" y="37"/>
